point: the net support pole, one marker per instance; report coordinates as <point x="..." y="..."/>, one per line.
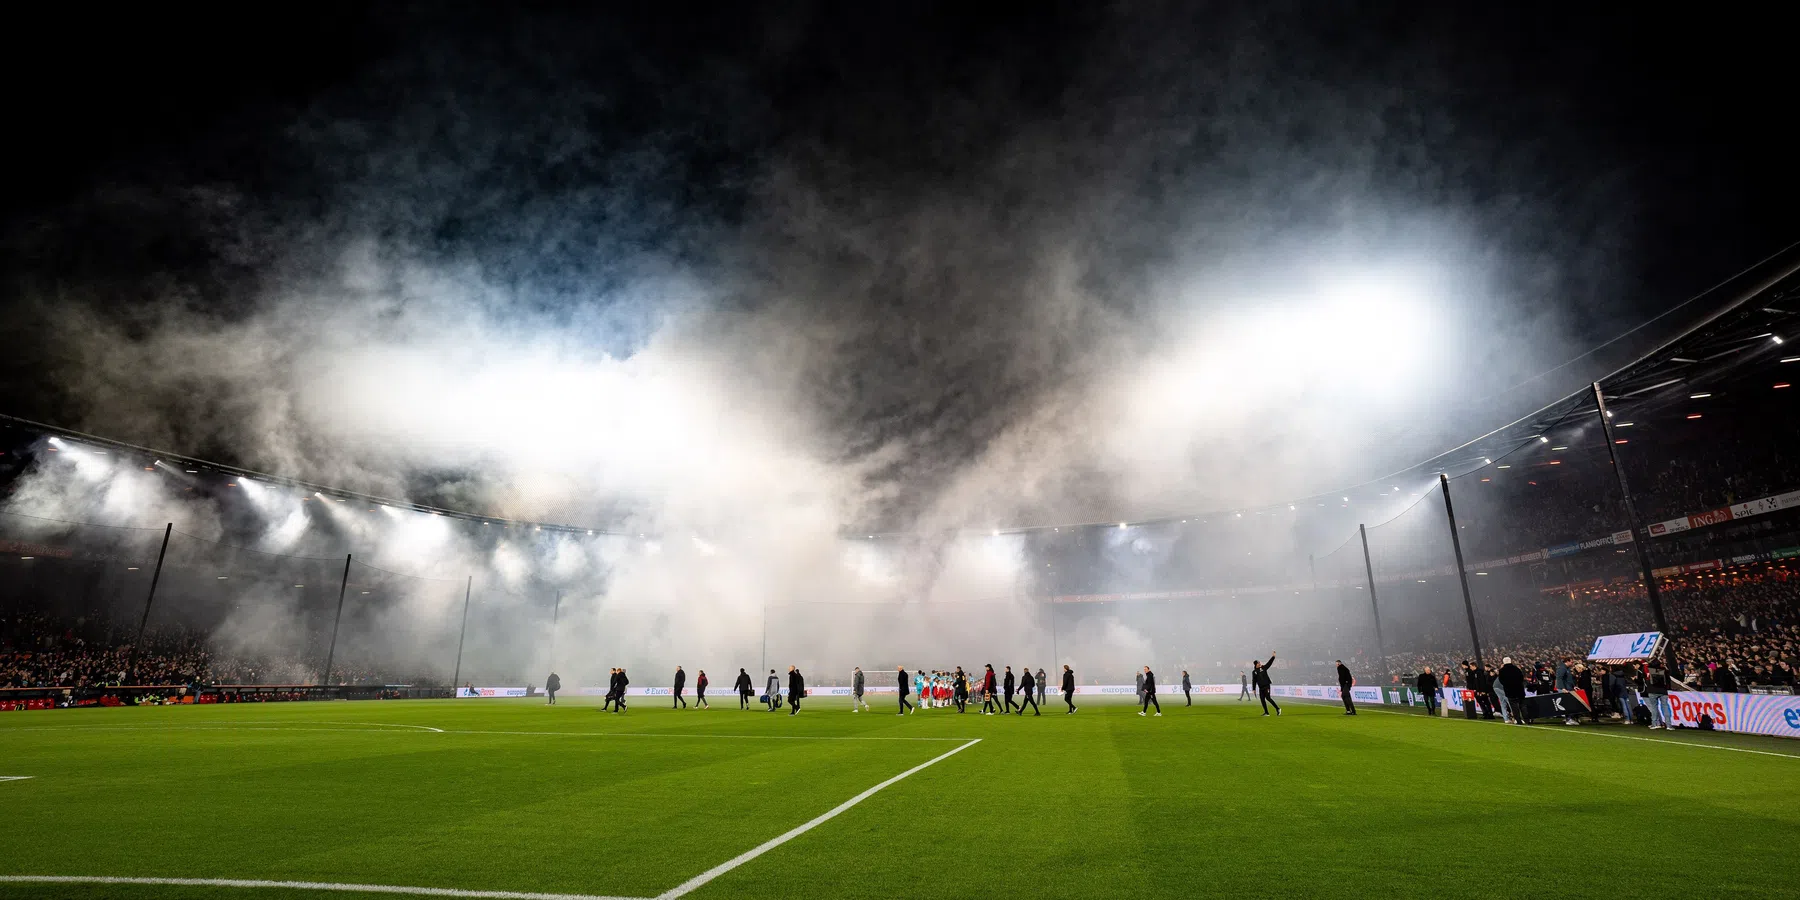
<point x="331" y="654"/>
<point x="765" y="642"/>
<point x="1640" y="536"/>
<point x="1462" y="572"/>
<point x="1374" y="604"/>
<point x="1055" y="655"/>
<point x="144" y="620"/>
<point x="467" y="590"/>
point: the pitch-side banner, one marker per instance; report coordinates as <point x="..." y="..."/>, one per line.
<point x="1748" y="713"/>
<point x="490" y="692"/>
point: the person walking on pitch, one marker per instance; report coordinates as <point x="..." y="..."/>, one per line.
<point x="1010" y="686"/>
<point x="961" y="688"/>
<point x="700" y="691"/>
<point x="988" y="691"/>
<point x="1150" y="692"/>
<point x="1068" y="688"/>
<point x="744" y="689"/>
<point x="1029" y="687"/>
<point x="1043" y="685"/>
<point x="1346" y="681"/>
<point x="1244" y="689"/>
<point x="773" y="696"/>
<point x="680" y="685"/>
<point x="624" y="682"/>
<point x="551" y="686"/>
<point x="905" y="688"/>
<point x="612" y="689"/>
<point x="1260" y="677"/>
<point x="796" y="689"/>
<point x="1427" y="684"/>
<point x="1187" y="687"/>
<point x="857" y="703"/>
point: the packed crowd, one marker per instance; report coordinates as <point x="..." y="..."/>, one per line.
<point x="1731" y="631"/>
<point x="37" y="651"/>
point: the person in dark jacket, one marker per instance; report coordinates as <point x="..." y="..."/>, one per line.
<point x="1427" y="684"/>
<point x="959" y="690"/>
<point x="1187" y="687"/>
<point x="1512" y="683"/>
<point x="1043" y="686"/>
<point x="1009" y="685"/>
<point x="905" y="688"/>
<point x="1259" y="676"/>
<point x="624" y="682"/>
<point x="745" y="690"/>
<point x="1028" y="688"/>
<point x="680" y="685"/>
<point x="989" y="691"/>
<point x="700" y="683"/>
<point x="857" y="684"/>
<point x="551" y="686"/>
<point x="1068" y="688"/>
<point x="1149" y="695"/>
<point x="1137" y="689"/>
<point x="1728" y="682"/>
<point x="796" y="689"/>
<point x="1346" y="681"/>
<point x="773" y="694"/>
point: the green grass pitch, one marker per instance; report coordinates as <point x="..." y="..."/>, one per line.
<point x="1208" y="801"/>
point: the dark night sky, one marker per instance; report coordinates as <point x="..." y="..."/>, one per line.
<point x="1612" y="163"/>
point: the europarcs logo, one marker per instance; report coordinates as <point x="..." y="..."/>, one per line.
<point x="1793" y="718"/>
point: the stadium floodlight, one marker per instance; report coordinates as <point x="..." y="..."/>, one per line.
<point x="1559" y="448"/>
<point x="1777" y="339"/>
<point x="1506" y="466"/>
<point x="1782" y="385"/>
<point x="1788" y="359"/>
<point x="1346" y="499"/>
<point x="996" y="532"/>
<point x="1693" y="415"/>
<point x="1624" y="424"/>
<point x="58" y="441"/>
<point x="1698" y="396"/>
<point x="1543" y="440"/>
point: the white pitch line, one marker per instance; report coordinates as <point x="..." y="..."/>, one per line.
<point x="385" y="725"/>
<point x="299" y="886"/>
<point x="753" y="737"/>
<point x="17" y="777"/>
<point x="701" y="879"/>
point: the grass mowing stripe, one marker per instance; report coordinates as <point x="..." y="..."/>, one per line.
<point x="298" y="886"/>
<point x="701" y="879"/>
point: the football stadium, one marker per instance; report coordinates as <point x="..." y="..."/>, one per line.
<point x="564" y="454"/>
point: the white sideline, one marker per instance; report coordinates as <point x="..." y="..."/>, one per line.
<point x="386" y="725"/>
<point x="298" y="886"/>
<point x="16" y="777"/>
<point x="303" y="726"/>
<point x="714" y="872"/>
<point x="752" y="737"/>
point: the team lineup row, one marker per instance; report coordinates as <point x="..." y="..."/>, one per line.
<point x="936" y="689"/>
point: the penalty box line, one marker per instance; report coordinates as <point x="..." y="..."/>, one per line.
<point x="682" y="889"/>
<point x="701" y="879"/>
<point x="299" y="886"/>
